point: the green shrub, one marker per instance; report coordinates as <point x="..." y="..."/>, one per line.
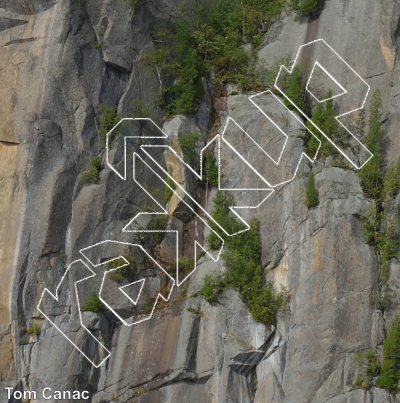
<point x="210" y="170"/>
<point x="305" y="7"/>
<point x="295" y="92"/>
<point x="381" y="300"/>
<point x="91" y="176"/>
<point x="187" y="143"/>
<point x="242" y="255"/>
<point x="311" y="193"/>
<point x="358" y="380"/>
<point x="108" y="119"/>
<point x="209" y="40"/>
<point x="96" y="162"/>
<point x="391" y="183"/>
<point x="169" y="187"/>
<point x="140" y="109"/>
<point x="133" y="4"/>
<point x="398" y="167"/>
<point x="221" y="214"/>
<point x="24" y="340"/>
<point x="126" y="273"/>
<point x="34" y="329"/>
<point x="390" y="373"/>
<point x="274" y="69"/>
<point x="211" y="287"/>
<point x="158" y="223"/>
<point x="371" y="179"/>
<point x="324" y="117"/>
<point x="62" y="255"/>
<point x="186" y="264"/>
<point x="367" y="362"/>
<point x="93" y="304"/>
<point x="196" y="312"/>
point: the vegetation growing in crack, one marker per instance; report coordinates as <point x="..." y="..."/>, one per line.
<point x="306" y="7"/>
<point x="295" y="91"/>
<point x="127" y="272"/>
<point x="387" y="372"/>
<point x="108" y="119"/>
<point x="196" y="312"/>
<point x="210" y="170"/>
<point x="324" y="117"/>
<point x="93" y="304"/>
<point x="390" y="372"/>
<point x="368" y="367"/>
<point x="242" y="256"/>
<point x="311" y="192"/>
<point x="169" y="187"/>
<point x="92" y="175"/>
<point x="158" y="223"/>
<point x="34" y="329"/>
<point x="187" y="143"/>
<point x="133" y="4"/>
<point x="141" y="109"/>
<point x="380" y="223"/>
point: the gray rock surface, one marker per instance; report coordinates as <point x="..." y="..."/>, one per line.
<point x="58" y="62"/>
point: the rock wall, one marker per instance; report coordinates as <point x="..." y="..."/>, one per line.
<point x="59" y="61"/>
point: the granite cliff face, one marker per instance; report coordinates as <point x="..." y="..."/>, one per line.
<point x="53" y="78"/>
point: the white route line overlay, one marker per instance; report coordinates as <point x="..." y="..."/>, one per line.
<point x="337" y="117"/>
<point x="80" y="314"/>
<point x="217" y="138"/>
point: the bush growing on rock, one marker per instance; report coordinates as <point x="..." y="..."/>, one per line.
<point x="390" y="374"/>
<point x="391" y="183"/>
<point x="93" y="304"/>
<point x="126" y="272"/>
<point x="242" y="257"/>
<point x="34" y="329"/>
<point x="311" y="192"/>
<point x="295" y="91"/>
<point x="92" y="175"/>
<point x="324" y="117"/>
<point x="210" y="170"/>
<point x="369" y="366"/>
<point x="187" y="143"/>
<point x="305" y="7"/>
<point x="108" y="119"/>
<point x="170" y="185"/>
<point x="371" y="178"/>
<point x="209" y="41"/>
<point x="140" y="109"/>
<point x="158" y="223"/>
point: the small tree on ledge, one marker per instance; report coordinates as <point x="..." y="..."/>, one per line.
<point x="311" y="193"/>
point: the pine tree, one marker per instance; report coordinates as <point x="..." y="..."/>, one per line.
<point x="390" y="374"/>
<point x="305" y="7"/>
<point x="311" y="193"/>
<point x="391" y="184"/>
<point x="295" y="91"/>
<point x="370" y="175"/>
<point x="398" y="167"/>
<point x="318" y="119"/>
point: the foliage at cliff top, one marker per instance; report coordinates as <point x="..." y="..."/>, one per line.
<point x="306" y="7"/>
<point x="209" y="41"/>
